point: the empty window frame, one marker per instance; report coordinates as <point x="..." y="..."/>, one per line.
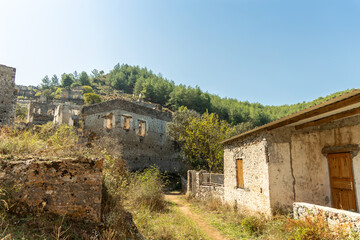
<point x="142" y="128"/>
<point x="127" y="122"/>
<point x="109" y="121"/>
<point x="240" y="173"/>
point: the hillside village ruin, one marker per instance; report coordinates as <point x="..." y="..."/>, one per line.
<point x="73" y="186"/>
<point x="304" y="163"/>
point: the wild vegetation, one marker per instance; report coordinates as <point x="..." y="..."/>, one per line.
<point x="238" y="225"/>
<point x="140" y="193"/>
<point x="131" y="81"/>
<point x="198" y="138"/>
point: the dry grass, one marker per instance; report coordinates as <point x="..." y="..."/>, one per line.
<point x="48" y="141"/>
<point x="239" y="225"/>
<point x="167" y="225"/>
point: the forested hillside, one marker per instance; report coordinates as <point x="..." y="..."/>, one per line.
<point x="155" y="88"/>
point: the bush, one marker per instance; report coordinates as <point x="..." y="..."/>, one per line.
<point x="21" y="112"/>
<point x="87" y="89"/>
<point x="91" y="98"/>
<point x="146" y="190"/>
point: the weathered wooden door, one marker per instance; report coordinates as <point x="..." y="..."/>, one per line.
<point x="342" y="181"/>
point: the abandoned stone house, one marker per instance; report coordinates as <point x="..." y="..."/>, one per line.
<point x="40" y="112"/>
<point x="67" y="114"/>
<point x="310" y="156"/>
<point x="139" y="130"/>
<point x="74" y="95"/>
<point x="7" y="95"/>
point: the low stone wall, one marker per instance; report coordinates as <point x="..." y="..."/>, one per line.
<point x="60" y="186"/>
<point x="211" y="191"/>
<point x="347" y="220"/>
<point x="200" y="185"/>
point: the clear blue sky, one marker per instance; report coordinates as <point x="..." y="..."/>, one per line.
<point x="268" y="51"/>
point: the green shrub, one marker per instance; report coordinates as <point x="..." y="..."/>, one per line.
<point x="21" y="112"/>
<point x="91" y="98"/>
<point x="87" y="89"/>
<point x="146" y="190"/>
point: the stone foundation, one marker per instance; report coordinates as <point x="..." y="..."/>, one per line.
<point x="60" y="186"/>
<point x="347" y="220"/>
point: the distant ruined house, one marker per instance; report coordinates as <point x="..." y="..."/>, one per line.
<point x="311" y="156"/>
<point x="139" y="130"/>
<point x="7" y="95"/>
<point x="40" y="112"/>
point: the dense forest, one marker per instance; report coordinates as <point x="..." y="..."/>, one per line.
<point x="134" y="80"/>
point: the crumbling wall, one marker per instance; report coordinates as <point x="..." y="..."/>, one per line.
<point x="7" y="95"/>
<point x="40" y="112"/>
<point x="204" y="185"/>
<point x="59" y="186"/>
<point x="336" y="218"/>
<point x="67" y="114"/>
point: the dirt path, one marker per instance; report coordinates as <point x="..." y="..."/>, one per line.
<point x="212" y="232"/>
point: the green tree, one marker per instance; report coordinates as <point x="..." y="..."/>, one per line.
<point x="95" y="73"/>
<point x="91" y="98"/>
<point x="66" y="80"/>
<point x="54" y="81"/>
<point x="45" y="82"/>
<point x="201" y="139"/>
<point x="84" y="79"/>
<point x="180" y="119"/>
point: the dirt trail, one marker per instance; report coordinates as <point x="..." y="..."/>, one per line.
<point x="212" y="232"/>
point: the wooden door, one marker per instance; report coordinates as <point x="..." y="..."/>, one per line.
<point x="342" y="181"/>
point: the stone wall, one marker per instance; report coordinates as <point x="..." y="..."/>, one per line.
<point x="121" y="121"/>
<point x="59" y="186"/>
<point x="40" y="112"/>
<point x="254" y="196"/>
<point x="26" y="92"/>
<point x="200" y="185"/>
<point x="298" y="168"/>
<point x="67" y="114"/>
<point x="346" y="220"/>
<point x="7" y="95"/>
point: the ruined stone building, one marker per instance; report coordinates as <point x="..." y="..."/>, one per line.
<point x="311" y="156"/>
<point x="67" y="114"/>
<point x="74" y="95"/>
<point x="141" y="132"/>
<point x="26" y="92"/>
<point x="40" y="112"/>
<point x="7" y="95"/>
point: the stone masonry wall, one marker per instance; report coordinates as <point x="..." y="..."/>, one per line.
<point x="347" y="220"/>
<point x="59" y="186"/>
<point x="203" y="190"/>
<point x="139" y="151"/>
<point x="7" y="95"/>
<point x="254" y="197"/>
